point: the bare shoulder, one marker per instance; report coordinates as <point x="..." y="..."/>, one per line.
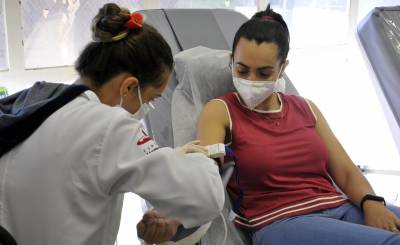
<point x="213" y="123"/>
<point x="311" y="103"/>
<point x="217" y="111"/>
<point x="217" y="104"/>
<point x="314" y="109"/>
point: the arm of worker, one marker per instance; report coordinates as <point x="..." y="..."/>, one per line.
<point x="349" y="178"/>
<point x="213" y="123"/>
<point x="186" y="187"/>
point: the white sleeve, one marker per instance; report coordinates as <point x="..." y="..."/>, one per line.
<point x="186" y="187"/>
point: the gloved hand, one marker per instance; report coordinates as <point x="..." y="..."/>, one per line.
<point x="192" y="147"/>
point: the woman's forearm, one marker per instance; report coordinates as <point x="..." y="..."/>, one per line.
<point x="357" y="186"/>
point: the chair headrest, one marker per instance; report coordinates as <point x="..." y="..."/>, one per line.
<point x="203" y="74"/>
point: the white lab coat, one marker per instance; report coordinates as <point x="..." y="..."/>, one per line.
<point x="64" y="185"/>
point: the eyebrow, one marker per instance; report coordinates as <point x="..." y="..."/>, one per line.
<point x="258" y="68"/>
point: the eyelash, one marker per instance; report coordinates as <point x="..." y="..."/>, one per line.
<point x="259" y="74"/>
<point x="264" y="75"/>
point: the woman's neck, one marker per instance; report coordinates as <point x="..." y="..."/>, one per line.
<point x="272" y="103"/>
<point x="103" y="93"/>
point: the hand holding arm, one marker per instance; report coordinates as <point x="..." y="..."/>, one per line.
<point x="192" y="147"/>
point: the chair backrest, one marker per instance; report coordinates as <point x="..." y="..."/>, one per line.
<point x="6" y="238"/>
<point x="379" y="36"/>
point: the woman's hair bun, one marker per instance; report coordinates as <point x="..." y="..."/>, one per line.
<point x="109" y="22"/>
<point x="270" y="14"/>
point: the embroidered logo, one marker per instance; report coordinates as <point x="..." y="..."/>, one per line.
<point x="145" y="142"/>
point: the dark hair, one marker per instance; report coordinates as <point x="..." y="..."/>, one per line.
<point x="265" y="26"/>
<point x="143" y="52"/>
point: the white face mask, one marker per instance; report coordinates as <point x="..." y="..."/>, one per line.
<point x="144" y="108"/>
<point x="254" y="92"/>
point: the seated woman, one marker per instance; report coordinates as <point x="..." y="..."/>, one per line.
<point x="287" y="157"/>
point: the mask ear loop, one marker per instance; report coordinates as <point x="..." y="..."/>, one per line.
<point x="280" y="73"/>
<point x="280" y="76"/>
<point x="140" y="95"/>
<point x="141" y="101"/>
<point x="278" y="80"/>
<point x="121" y="100"/>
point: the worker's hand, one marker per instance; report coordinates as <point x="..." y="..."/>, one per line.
<point x="155" y="228"/>
<point x="193" y="147"/>
<point x="377" y="215"/>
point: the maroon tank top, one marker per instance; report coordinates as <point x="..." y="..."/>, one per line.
<point x="282" y="163"/>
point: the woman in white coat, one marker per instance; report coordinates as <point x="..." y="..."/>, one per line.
<point x="64" y="182"/>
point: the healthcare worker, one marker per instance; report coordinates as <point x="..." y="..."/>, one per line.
<point x="62" y="181"/>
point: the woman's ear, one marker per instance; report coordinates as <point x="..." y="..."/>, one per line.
<point x="128" y="84"/>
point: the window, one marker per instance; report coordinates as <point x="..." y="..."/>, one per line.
<point x="326" y="21"/>
<point x="246" y="7"/>
<point x="327" y="67"/>
<point x="3" y="46"/>
<point x="206" y="3"/>
<point x="194" y="4"/>
<point x="55" y="31"/>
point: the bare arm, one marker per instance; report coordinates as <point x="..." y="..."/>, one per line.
<point x="213" y="123"/>
<point x="349" y="178"/>
<point x="342" y="169"/>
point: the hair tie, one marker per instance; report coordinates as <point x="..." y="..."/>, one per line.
<point x="267" y="17"/>
<point x="135" y="21"/>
